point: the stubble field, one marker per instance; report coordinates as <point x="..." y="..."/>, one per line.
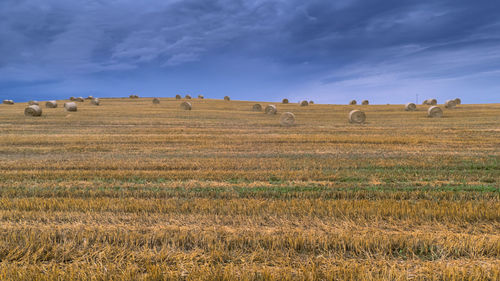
<point x="134" y="191"/>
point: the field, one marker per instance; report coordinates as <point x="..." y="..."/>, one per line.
<point x="134" y="191"/>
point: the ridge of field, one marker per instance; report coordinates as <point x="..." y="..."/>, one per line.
<point x="131" y="190"/>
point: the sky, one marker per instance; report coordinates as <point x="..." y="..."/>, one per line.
<point x="386" y="51"/>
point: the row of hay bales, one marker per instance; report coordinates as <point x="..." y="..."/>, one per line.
<point x="358" y="116"/>
<point x="452" y="103"/>
<point x="355" y="116"/>
<point x="78" y="99"/>
<point x="354" y="102"/>
<point x="227" y="98"/>
<point x="188" y="97"/>
<point x="35" y="110"/>
<point x="301" y="103"/>
<point x="433" y="111"/>
<point x="286" y="118"/>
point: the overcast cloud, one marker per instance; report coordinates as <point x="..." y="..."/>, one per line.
<point x="386" y="51"/>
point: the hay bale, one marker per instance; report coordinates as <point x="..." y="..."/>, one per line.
<point x="284" y="101"/>
<point x="365" y="102"/>
<point x="95" y="101"/>
<point x="70" y="106"/>
<point x="80" y="99"/>
<point x="8" y="102"/>
<point x="178" y="97"/>
<point x="311" y="102"/>
<point x="257" y="107"/>
<point x="51" y="104"/>
<point x="90" y="98"/>
<point x="458" y="101"/>
<point x="353" y="102"/>
<point x="450" y="104"/>
<point x="156" y="101"/>
<point x="72" y="98"/>
<point x="430" y="102"/>
<point x="410" y="106"/>
<point x="271" y="109"/>
<point x="33" y="102"/>
<point x="287" y="119"/>
<point x="357" y="116"/>
<point x="227" y="98"/>
<point x="33" y="110"/>
<point x="435" y="112"/>
<point x="188" y="97"/>
<point x="186" y="105"/>
<point x="201" y="97"/>
<point x="304" y="103"/>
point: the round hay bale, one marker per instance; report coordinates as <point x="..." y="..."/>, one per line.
<point x="357" y="116"/>
<point x="458" y="101"/>
<point x="271" y="109"/>
<point x="156" y="101"/>
<point x="8" y="102"/>
<point x="435" y="112"/>
<point x="33" y="102"/>
<point x="450" y="104"/>
<point x="188" y="97"/>
<point x="227" y="98"/>
<point x="311" y="102"/>
<point x="80" y="99"/>
<point x="51" y="104"/>
<point x="432" y="101"/>
<point x="353" y="102"/>
<point x="90" y="97"/>
<point x="95" y="101"/>
<point x="201" y="97"/>
<point x="257" y="107"/>
<point x="186" y="105"/>
<point x="33" y="110"/>
<point x="410" y="106"/>
<point x="285" y="101"/>
<point x="70" y="106"/>
<point x="72" y="98"/>
<point x="177" y="97"/>
<point x="304" y="103"/>
<point x="287" y="119"/>
<point x="365" y="102"/>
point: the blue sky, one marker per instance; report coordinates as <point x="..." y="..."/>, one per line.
<point x="386" y="51"/>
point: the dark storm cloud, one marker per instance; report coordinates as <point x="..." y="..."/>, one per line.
<point x="311" y="43"/>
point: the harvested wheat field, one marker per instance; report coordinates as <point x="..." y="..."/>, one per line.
<point x="129" y="190"/>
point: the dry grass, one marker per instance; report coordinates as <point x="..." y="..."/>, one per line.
<point x="135" y="191"/>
